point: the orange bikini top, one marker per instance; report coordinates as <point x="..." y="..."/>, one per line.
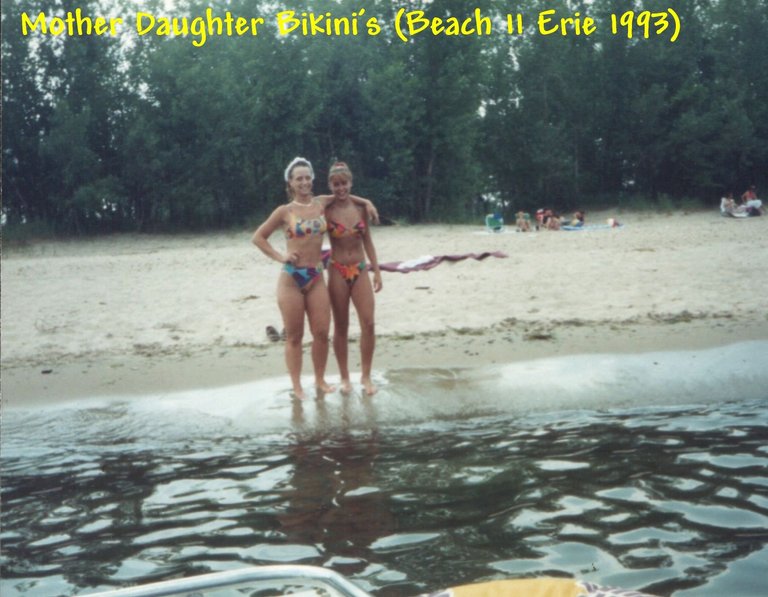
<point x="339" y="230"/>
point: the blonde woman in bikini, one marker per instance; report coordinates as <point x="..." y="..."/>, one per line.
<point x="301" y="288"/>
<point x="348" y="280"/>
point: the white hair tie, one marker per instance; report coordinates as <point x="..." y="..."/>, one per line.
<point x="303" y="162"/>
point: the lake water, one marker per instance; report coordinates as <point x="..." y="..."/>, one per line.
<point x="643" y="471"/>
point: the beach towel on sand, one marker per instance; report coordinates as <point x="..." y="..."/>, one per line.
<point x="421" y="263"/>
<point x="429" y="261"/>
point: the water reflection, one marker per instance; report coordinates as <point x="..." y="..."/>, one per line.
<point x="663" y="499"/>
<point x="333" y="499"/>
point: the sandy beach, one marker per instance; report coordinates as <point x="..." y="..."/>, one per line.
<point x="132" y="314"/>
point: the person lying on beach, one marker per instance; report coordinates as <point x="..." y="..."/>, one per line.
<point x="301" y="288"/>
<point x="348" y="279"/>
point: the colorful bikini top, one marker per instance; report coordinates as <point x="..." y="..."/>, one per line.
<point x="298" y="227"/>
<point x="339" y="230"/>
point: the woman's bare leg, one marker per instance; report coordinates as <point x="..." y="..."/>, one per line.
<point x="318" y="308"/>
<point x="339" y="292"/>
<point x="291" y="302"/>
<point x="362" y="298"/>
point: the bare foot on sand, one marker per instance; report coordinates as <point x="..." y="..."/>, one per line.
<point x="323" y="387"/>
<point x="346" y="387"/>
<point x="368" y="386"/>
<point x="298" y="393"/>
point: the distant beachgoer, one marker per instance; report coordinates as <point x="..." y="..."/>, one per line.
<point x="728" y="207"/>
<point x="551" y="220"/>
<point x="727" y="203"/>
<point x="301" y="288"/>
<point x="348" y="279"/>
<point x="578" y="218"/>
<point x="750" y="194"/>
<point x="523" y="221"/>
<point x="751" y="202"/>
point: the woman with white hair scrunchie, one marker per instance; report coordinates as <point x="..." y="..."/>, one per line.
<point x="301" y="288"/>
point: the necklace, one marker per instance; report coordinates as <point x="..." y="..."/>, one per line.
<point x="302" y="204"/>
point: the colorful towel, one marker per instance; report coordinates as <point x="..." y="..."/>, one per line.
<point x="428" y="261"/>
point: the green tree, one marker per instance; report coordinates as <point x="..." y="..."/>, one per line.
<point x="25" y="120"/>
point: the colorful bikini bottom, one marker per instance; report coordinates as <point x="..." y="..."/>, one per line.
<point x="303" y="276"/>
<point x="350" y="272"/>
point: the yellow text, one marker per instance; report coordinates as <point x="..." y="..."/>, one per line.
<point x="311" y="24"/>
<point x="408" y="24"/>
<point x="73" y="23"/>
<point x="576" y="24"/>
<point x="199" y="27"/>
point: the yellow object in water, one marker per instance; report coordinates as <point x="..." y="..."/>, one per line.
<point x="527" y="587"/>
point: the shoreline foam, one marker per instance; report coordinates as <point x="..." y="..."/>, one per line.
<point x="426" y="395"/>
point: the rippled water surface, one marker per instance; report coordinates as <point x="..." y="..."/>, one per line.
<point x="672" y="499"/>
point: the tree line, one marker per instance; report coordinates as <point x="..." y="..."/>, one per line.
<point x="128" y="133"/>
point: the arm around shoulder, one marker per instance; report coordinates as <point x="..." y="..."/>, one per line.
<point x="370" y="208"/>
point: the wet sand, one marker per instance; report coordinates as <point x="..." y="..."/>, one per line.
<point x="133" y="314"/>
